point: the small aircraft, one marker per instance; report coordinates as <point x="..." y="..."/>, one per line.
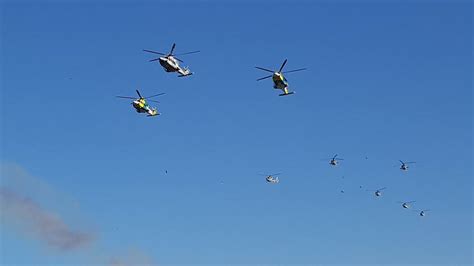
<point x="406" y="204"/>
<point x="334" y="160"/>
<point x="378" y="192"/>
<point x="140" y="104"/>
<point x="171" y="63"/>
<point x="272" y="178"/>
<point x="422" y="212"/>
<point x="404" y="165"/>
<point x="279" y="81"/>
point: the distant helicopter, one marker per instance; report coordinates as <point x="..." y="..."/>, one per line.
<point x="272" y="178"/>
<point x="406" y="205"/>
<point x="279" y="81"/>
<point x="334" y="161"/>
<point x="170" y="62"/>
<point x="422" y="212"/>
<point x="141" y="105"/>
<point x="378" y="192"/>
<point x="404" y="165"/>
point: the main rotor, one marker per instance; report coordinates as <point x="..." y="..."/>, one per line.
<point x="140" y="97"/>
<point x="279" y="72"/>
<point x="170" y="54"/>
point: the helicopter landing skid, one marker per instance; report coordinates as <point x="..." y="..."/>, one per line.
<point x="286" y="94"/>
<point x="185" y="75"/>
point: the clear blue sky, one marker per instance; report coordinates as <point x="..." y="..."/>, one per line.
<point x="388" y="81"/>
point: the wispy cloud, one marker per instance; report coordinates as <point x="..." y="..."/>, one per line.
<point x="32" y="208"/>
<point x="45" y="225"/>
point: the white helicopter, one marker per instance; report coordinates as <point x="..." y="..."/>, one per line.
<point x="272" y="178"/>
<point x="279" y="81"/>
<point x="404" y="165"/>
<point x="171" y="63"/>
<point x="334" y="161"/>
<point x="378" y="192"/>
<point x="406" y="204"/>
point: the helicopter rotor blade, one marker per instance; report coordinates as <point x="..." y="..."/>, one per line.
<point x="282" y="65"/>
<point x="264" y="174"/>
<point x="401" y="161"/>
<point x="126" y="97"/>
<point x="155" y="95"/>
<point x="334" y="157"/>
<point x="139" y="95"/>
<point x="153" y="52"/>
<point x="154" y="59"/>
<point x="172" y="49"/>
<point x="181" y="61"/>
<point x="193" y="52"/>
<point x="269" y="76"/>
<point x="296" y="70"/>
<point x="265" y="69"/>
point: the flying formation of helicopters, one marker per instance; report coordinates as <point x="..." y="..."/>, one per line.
<point x="378" y="192"/>
<point x="171" y="63"/>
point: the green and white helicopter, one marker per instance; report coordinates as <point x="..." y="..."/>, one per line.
<point x="279" y="81"/>
<point x="141" y="105"/>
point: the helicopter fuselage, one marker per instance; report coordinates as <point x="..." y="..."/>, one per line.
<point x="279" y="82"/>
<point x="271" y="179"/>
<point x="170" y="64"/>
<point x="143" y="107"/>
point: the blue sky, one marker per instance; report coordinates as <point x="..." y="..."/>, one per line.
<point x="385" y="81"/>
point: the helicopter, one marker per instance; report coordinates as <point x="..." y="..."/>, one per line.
<point x="272" y="178"/>
<point x="171" y="63"/>
<point x="279" y="81"/>
<point x="378" y="192"/>
<point x="141" y="105"/>
<point x="421" y="212"/>
<point x="334" y="160"/>
<point x="404" y="165"/>
<point x="406" y="204"/>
